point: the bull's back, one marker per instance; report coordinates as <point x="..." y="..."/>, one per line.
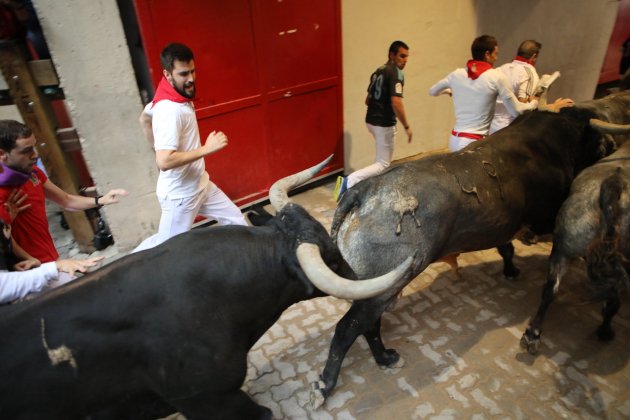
<point x="579" y="220"/>
<point x="108" y="333"/>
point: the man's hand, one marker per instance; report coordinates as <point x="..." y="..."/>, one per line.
<point x="71" y="266"/>
<point x="27" y="264"/>
<point x="215" y="142"/>
<point x="14" y="203"/>
<point x="113" y="196"/>
<point x="562" y="103"/>
<point x="409" y="134"/>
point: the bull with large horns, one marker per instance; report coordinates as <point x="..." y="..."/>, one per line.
<point x="168" y="329"/>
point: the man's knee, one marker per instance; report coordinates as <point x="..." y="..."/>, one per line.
<point x="382" y="165"/>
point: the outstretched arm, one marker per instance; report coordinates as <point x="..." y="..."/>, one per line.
<point x="79" y="202"/>
<point x="440" y="88"/>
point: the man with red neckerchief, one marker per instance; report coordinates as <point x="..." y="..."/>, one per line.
<point x="475" y="90"/>
<point x="184" y="188"/>
<point x="523" y="77"/>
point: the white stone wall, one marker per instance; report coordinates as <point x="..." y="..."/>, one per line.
<point x="88" y="47"/>
<point x="574" y="34"/>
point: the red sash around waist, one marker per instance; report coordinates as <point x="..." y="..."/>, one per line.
<point x="467" y="135"/>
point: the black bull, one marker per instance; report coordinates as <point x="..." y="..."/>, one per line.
<point x="168" y="329"/>
<point x="474" y="199"/>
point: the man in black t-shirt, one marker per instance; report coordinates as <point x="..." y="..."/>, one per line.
<point x="385" y="106"/>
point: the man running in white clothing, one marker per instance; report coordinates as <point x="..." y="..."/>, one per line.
<point x="385" y="108"/>
<point x="475" y="90"/>
<point x="184" y="188"/>
<point x="523" y="78"/>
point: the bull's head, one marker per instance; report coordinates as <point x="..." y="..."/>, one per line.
<point x="310" y="258"/>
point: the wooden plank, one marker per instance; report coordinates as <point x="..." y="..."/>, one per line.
<point x="37" y="114"/>
<point x="43" y="72"/>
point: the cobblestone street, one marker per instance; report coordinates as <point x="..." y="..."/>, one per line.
<point x="459" y="338"/>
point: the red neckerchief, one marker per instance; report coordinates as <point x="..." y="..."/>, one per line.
<point x="524" y="60"/>
<point x="477" y="68"/>
<point x="168" y="92"/>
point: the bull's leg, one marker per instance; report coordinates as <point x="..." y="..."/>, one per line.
<point x="383" y="356"/>
<point x="235" y="405"/>
<point x="507" y="253"/>
<point x="557" y="269"/>
<point x="610" y="308"/>
<point x="362" y="316"/>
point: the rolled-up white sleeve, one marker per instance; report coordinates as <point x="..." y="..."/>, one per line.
<point x="17" y="284"/>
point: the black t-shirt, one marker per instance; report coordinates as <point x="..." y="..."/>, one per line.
<point x="387" y="81"/>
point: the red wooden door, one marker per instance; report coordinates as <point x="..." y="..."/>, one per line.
<point x="268" y="75"/>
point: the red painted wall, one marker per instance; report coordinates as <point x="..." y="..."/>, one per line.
<point x="268" y="75"/>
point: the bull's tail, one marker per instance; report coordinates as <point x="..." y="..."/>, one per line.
<point x="604" y="260"/>
<point x="349" y="201"/>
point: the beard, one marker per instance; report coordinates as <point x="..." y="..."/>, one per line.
<point x="181" y="90"/>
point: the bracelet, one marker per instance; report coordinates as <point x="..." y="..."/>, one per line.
<point x="406" y="127"/>
<point x="96" y="200"/>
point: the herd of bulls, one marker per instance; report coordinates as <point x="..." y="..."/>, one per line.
<point x="168" y="329"/>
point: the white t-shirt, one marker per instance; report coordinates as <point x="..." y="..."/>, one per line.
<point x="523" y="79"/>
<point x="175" y="128"/>
<point x="474" y="99"/>
<point x="17" y="284"/>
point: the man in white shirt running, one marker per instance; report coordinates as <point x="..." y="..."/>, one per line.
<point x="475" y="90"/>
<point x="523" y="78"/>
<point x="184" y="188"/>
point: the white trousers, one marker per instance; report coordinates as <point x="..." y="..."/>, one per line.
<point x="458" y="143"/>
<point x="179" y="214"/>
<point x="384" y="139"/>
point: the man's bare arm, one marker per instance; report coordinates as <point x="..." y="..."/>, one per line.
<point x="399" y="110"/>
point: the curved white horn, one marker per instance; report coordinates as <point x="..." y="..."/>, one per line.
<point x="279" y="191"/>
<point x="605" y="127"/>
<point x="327" y="281"/>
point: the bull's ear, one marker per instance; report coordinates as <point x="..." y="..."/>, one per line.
<point x="258" y="216"/>
<point x="607" y="146"/>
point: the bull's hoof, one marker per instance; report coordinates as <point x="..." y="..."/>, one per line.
<point x="317" y="398"/>
<point x="529" y="343"/>
<point x="400" y="362"/>
<point x="389" y="358"/>
<point x="605" y="333"/>
<point x="512" y="273"/>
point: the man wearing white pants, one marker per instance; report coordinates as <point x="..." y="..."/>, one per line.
<point x="385" y="105"/>
<point x="169" y="122"/>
